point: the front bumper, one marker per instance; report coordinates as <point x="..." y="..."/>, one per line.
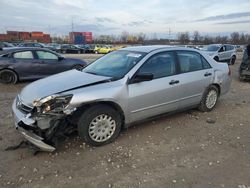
<point x="21" y="118"/>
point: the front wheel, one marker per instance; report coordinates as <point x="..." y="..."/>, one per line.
<point x="77" y="67"/>
<point x="99" y="125"/>
<point x="8" y="77"/>
<point x="209" y="99"/>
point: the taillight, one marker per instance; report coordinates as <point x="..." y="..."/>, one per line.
<point x="229" y="71"/>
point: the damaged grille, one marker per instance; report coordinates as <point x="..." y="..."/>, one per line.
<point x="22" y="107"/>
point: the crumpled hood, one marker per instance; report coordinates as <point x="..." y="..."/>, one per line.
<point x="58" y="83"/>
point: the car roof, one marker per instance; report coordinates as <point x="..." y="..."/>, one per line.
<point x="148" y="49"/>
<point x="17" y="49"/>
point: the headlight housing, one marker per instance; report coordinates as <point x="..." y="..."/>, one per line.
<point x="52" y="104"/>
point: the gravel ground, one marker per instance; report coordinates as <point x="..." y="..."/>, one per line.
<point x="184" y="150"/>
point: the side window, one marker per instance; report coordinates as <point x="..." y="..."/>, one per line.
<point x="46" y="55"/>
<point x="189" y="61"/>
<point x="37" y="45"/>
<point x="23" y="55"/>
<point x="160" y="65"/>
<point x="4" y="55"/>
<point x="228" y="48"/>
<point x="222" y="49"/>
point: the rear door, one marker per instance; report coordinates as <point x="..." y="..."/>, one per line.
<point x="195" y="75"/>
<point x="160" y="95"/>
<point x="49" y="63"/>
<point x="26" y="65"/>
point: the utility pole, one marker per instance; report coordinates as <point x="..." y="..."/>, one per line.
<point x="72" y="24"/>
<point x="169" y="34"/>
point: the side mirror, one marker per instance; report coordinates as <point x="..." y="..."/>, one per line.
<point x="60" y="58"/>
<point x="142" y="77"/>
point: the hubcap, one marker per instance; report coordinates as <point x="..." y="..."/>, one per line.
<point x="211" y="99"/>
<point x="102" y="128"/>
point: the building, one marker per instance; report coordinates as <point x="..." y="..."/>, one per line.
<point x="80" y="37"/>
<point x="37" y="36"/>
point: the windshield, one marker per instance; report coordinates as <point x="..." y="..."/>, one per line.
<point x="211" y="48"/>
<point x="115" y="64"/>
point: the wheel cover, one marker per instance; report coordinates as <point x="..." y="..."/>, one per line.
<point x="102" y="128"/>
<point x="211" y="99"/>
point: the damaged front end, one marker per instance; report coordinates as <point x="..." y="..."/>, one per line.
<point x="42" y="123"/>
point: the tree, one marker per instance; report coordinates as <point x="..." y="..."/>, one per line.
<point x="124" y="36"/>
<point x="235" y="37"/>
<point x="141" y="37"/>
<point x="242" y="39"/>
<point x="196" y="37"/>
<point x="207" y="40"/>
<point x="184" y="38"/>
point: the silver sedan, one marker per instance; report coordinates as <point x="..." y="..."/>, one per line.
<point x="117" y="90"/>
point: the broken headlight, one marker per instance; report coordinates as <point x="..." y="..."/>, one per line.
<point x="53" y="103"/>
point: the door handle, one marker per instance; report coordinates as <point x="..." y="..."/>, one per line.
<point x="174" y="82"/>
<point x="207" y="74"/>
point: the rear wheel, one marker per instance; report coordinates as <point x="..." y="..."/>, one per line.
<point x="8" y="77"/>
<point x="232" y="60"/>
<point x="209" y="99"/>
<point x="99" y="125"/>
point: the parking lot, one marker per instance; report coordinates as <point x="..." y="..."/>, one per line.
<point x="186" y="150"/>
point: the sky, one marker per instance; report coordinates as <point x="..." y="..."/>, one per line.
<point x="153" y="17"/>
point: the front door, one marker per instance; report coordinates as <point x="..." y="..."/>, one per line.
<point x="160" y="95"/>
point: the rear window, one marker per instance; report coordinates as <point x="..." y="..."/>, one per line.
<point x="191" y="61"/>
<point x="23" y="55"/>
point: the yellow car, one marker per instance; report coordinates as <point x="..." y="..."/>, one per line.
<point x="104" y="50"/>
<point x="97" y="48"/>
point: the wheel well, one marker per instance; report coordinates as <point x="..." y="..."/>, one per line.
<point x="218" y="87"/>
<point x="12" y="71"/>
<point x="115" y="106"/>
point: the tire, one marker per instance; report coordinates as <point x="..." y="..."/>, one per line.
<point x="77" y="67"/>
<point x="8" y="77"/>
<point x="64" y="51"/>
<point x="205" y="105"/>
<point x="94" y="135"/>
<point x="232" y="60"/>
<point x="216" y="59"/>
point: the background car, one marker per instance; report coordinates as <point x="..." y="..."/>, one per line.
<point x="32" y="44"/>
<point x="69" y="48"/>
<point x="105" y="49"/>
<point x="54" y="47"/>
<point x="33" y="63"/>
<point x="6" y="45"/>
<point x="245" y="65"/>
<point x="221" y="53"/>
